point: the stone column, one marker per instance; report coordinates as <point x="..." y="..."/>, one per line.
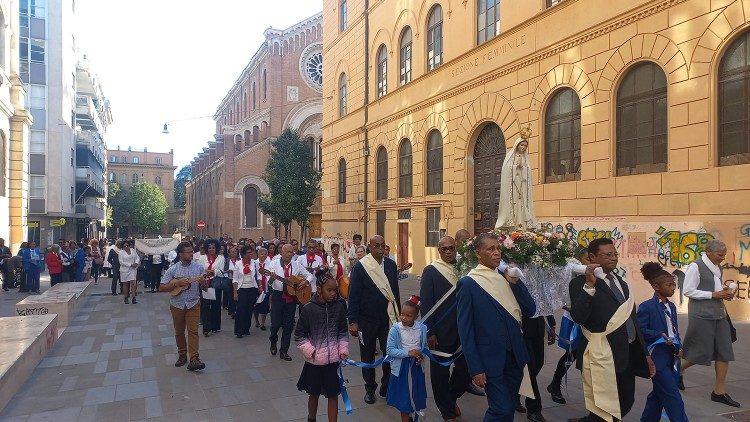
<point x="18" y="166"/>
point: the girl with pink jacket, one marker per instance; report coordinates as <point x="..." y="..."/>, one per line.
<point x="322" y="338"/>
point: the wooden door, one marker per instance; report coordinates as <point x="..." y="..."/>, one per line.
<point x="403" y="244"/>
<point x="489" y="153"/>
<point x="315" y="226"/>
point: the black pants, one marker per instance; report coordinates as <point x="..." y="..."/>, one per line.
<point x="282" y="316"/>
<point x="229" y="302"/>
<point x="446" y="393"/>
<point x="535" y="336"/>
<point x="7" y="279"/>
<point x="55" y="278"/>
<point x="115" y="279"/>
<point x="154" y="277"/>
<point x="561" y="369"/>
<point x="245" y="302"/>
<point x="211" y="313"/>
<point x="374" y="332"/>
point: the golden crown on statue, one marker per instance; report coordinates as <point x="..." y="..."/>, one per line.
<point x="526" y="132"/>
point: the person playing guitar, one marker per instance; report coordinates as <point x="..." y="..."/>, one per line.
<point x="283" y="305"/>
<point x="311" y="260"/>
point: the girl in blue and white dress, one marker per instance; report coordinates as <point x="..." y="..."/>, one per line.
<point x="406" y="340"/>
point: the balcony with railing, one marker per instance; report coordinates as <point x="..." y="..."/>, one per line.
<point x="89" y="183"/>
<point x="91" y="211"/>
<point x="87" y="117"/>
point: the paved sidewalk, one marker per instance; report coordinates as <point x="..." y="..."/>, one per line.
<point x="114" y="363"/>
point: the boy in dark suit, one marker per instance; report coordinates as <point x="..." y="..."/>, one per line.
<point x="657" y="318"/>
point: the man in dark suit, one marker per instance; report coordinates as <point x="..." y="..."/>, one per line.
<point x="593" y="303"/>
<point x="438" y="281"/>
<point x="374" y="304"/>
<point x="490" y="308"/>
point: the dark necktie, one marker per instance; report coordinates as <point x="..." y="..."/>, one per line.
<point x="620" y="298"/>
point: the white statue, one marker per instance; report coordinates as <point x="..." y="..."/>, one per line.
<point x="516" y="209"/>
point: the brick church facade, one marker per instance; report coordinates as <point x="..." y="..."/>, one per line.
<point x="279" y="88"/>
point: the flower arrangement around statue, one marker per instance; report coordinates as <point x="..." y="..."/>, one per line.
<point x="538" y="248"/>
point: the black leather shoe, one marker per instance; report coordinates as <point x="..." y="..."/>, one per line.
<point x="556" y="394"/>
<point x="383" y="391"/>
<point x="520" y="408"/>
<point x="370" y="397"/>
<point x="680" y="384"/>
<point x="536" y="417"/>
<point x="724" y="398"/>
<point x="274" y="350"/>
<point x="473" y="389"/>
<point x="285" y="356"/>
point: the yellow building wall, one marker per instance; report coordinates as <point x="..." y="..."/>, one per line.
<point x="508" y="80"/>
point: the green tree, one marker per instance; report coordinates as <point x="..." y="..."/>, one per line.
<point x="148" y="208"/>
<point x="183" y="176"/>
<point x="117" y="206"/>
<point x="292" y="181"/>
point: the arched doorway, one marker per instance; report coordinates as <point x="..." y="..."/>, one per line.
<point x="489" y="153"/>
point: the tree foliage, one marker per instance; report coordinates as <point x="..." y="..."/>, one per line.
<point x="183" y="176"/>
<point x="141" y="209"/>
<point x="292" y="181"/>
<point x="148" y="208"/>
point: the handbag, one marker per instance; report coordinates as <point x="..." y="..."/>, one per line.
<point x="732" y="330"/>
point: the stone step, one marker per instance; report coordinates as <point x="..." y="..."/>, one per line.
<point x="24" y="344"/>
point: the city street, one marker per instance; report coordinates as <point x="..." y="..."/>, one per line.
<point x="114" y="363"/>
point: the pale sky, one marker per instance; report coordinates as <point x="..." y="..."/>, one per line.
<point x="167" y="60"/>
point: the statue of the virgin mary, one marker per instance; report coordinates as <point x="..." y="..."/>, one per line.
<point x="516" y="208"/>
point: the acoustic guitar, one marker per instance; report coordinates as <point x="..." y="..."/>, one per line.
<point x="293" y="283"/>
<point x="344" y="287"/>
<point x="177" y="290"/>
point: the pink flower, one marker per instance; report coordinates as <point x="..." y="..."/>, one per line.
<point x="508" y="243"/>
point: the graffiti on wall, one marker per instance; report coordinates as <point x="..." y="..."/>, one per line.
<point x="679" y="248"/>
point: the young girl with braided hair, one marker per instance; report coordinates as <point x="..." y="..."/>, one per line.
<point x="322" y="338"/>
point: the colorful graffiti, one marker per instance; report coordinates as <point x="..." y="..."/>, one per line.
<point x="680" y="248"/>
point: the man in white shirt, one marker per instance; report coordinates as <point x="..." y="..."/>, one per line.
<point x="708" y="336"/>
<point x="283" y="304"/>
<point x="311" y="261"/>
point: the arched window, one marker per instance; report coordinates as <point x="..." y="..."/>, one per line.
<point x="136" y="160"/>
<point x="382" y="71"/>
<point x="404" y="169"/>
<point x="488" y="20"/>
<point x="405" y="56"/>
<point x="642" y="121"/>
<point x="135" y="178"/>
<point x="435" y="163"/>
<point x="435" y="38"/>
<point x="265" y="85"/>
<point x="123" y="159"/>
<point x="123" y="178"/>
<point x="112" y="177"/>
<point x="254" y="97"/>
<point x="250" y="199"/>
<point x="734" y="103"/>
<point x="342" y="181"/>
<point x="158" y="180"/>
<point x="113" y="158"/>
<point x="382" y="173"/>
<point x="562" y="137"/>
<point x="342" y="95"/>
<point x="256" y="134"/>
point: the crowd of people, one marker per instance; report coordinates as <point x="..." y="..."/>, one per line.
<point x="480" y="333"/>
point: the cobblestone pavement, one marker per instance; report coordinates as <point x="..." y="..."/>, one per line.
<point x="114" y="363"/>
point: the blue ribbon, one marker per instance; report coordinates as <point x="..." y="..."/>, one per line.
<point x="344" y="393"/>
<point x="662" y="340"/>
<point x="426" y="352"/>
<point x="349" y="362"/>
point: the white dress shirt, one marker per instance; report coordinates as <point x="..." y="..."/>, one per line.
<point x="317" y="262"/>
<point x="693" y="278"/>
<point x="242" y="280"/>
<point x="668" y="318"/>
<point x="614" y="281"/>
<point x="259" y="275"/>
<point x="333" y="268"/>
<point x="296" y="270"/>
<point x="217" y="268"/>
